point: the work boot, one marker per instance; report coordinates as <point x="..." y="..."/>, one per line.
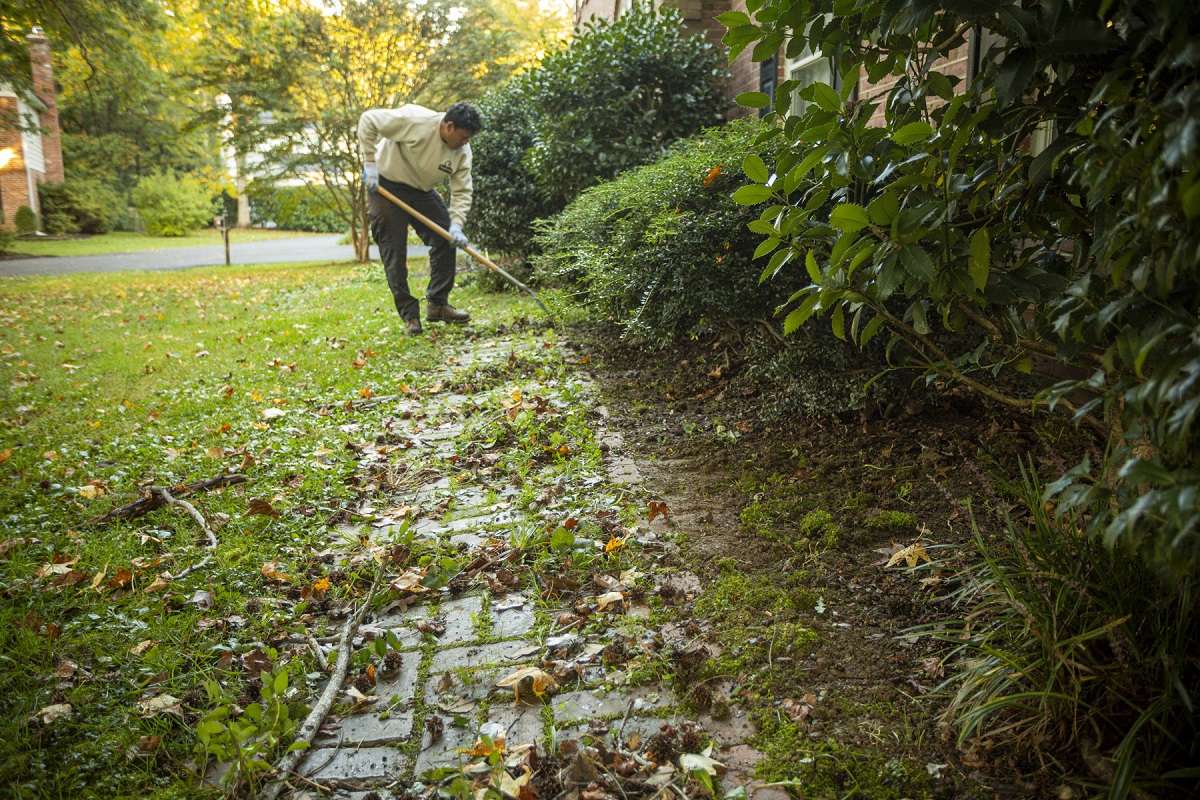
<point x="412" y="326"/>
<point x="445" y="314"/>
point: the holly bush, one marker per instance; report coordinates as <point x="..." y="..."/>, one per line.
<point x="1082" y="252"/>
<point x="613" y="99"/>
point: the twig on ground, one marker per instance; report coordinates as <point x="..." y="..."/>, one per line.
<point x="312" y="722"/>
<point x="151" y="500"/>
<point x="166" y="498"/>
<point x="319" y="653"/>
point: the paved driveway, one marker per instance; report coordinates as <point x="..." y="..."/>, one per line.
<point x="302" y="248"/>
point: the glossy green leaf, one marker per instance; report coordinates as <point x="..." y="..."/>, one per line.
<point x="755" y="169"/>
<point x="753" y="99"/>
<point x="849" y="217"/>
<point x="912" y="133"/>
<point x="751" y="195"/>
<point x="838" y="321"/>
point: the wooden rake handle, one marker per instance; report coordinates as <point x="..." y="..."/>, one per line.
<point x="471" y="251"/>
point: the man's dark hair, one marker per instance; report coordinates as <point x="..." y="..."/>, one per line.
<point x="465" y="116"/>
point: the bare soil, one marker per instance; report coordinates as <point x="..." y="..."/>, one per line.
<point x="741" y="480"/>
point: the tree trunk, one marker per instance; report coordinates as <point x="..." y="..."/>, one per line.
<point x="361" y="233"/>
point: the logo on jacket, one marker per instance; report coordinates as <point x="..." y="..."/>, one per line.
<point x="445" y="167"/>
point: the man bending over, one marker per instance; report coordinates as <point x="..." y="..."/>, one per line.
<point x="409" y="150"/>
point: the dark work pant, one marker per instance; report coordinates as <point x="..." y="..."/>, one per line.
<point x="389" y="226"/>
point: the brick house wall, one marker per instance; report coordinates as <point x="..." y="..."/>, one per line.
<point x="34" y="157"/>
<point x="47" y="92"/>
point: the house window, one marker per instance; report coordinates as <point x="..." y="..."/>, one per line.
<point x="809" y="68"/>
<point x="767" y="73"/>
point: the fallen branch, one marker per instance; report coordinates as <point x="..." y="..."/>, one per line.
<point x="312" y="723"/>
<point x="152" y="500"/>
<point x="166" y="498"/>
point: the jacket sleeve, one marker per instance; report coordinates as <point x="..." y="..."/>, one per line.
<point x="461" y="189"/>
<point x="380" y="123"/>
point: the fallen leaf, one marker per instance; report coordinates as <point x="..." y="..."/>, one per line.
<point x="53" y="713"/>
<point x="609" y="599"/>
<point x="273" y="413"/>
<point x="120" y="579"/>
<point x="142" y="646"/>
<point x="711" y="176"/>
<point x="261" y="507"/>
<point x="162" y="704"/>
<point x="538" y="681"/>
<point x="255" y="662"/>
<point x="5" y="454"/>
<point x="912" y="555"/>
<point x="160" y="583"/>
<point x="201" y="599"/>
<point x="270" y="569"/>
<point x="658" y="509"/>
<point x="613" y="544"/>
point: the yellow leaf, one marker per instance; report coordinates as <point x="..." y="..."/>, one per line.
<point x="160" y="583"/>
<point x="535" y="679"/>
<point x="609" y="599"/>
<point x="270" y="569"/>
<point x="913" y="554"/>
<point x="614" y="544"/>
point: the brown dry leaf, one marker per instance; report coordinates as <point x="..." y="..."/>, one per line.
<point x="66" y="669"/>
<point x="711" y="176"/>
<point x="215" y="452"/>
<point x="9" y="544"/>
<point x="161" y="582"/>
<point x="255" y="661"/>
<point x="5" y="454"/>
<point x="261" y="507"/>
<point x="120" y="579"/>
<point x="609" y="599"/>
<point x="533" y="678"/>
<point x="142" y="646"/>
<point x="658" y="508"/>
<point x="409" y="581"/>
<point x="59" y="565"/>
<point x="148" y="744"/>
<point x="272" y="571"/>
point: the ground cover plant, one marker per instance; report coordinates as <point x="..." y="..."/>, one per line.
<point x="116" y="381"/>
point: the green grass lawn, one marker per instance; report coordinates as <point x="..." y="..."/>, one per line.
<point x="117" y="380"/>
<point x="123" y="242"/>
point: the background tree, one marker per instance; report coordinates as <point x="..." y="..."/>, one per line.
<point x="365" y="54"/>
